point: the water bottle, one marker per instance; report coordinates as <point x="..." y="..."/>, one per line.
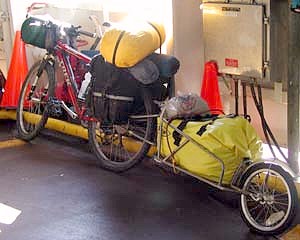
<point x="84" y="85"/>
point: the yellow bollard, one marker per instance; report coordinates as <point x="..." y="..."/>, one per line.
<point x="66" y="128"/>
<point x="8" y="114"/>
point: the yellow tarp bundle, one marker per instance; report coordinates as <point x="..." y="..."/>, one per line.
<point x="129" y="43"/>
<point x="230" y="139"/>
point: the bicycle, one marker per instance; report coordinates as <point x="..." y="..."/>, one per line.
<point x="38" y="101"/>
<point x="267" y="207"/>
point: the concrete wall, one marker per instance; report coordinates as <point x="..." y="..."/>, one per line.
<point x="188" y="44"/>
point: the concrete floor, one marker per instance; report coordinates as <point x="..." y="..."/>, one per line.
<point x="64" y="196"/>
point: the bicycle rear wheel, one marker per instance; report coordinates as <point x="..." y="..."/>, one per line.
<point x="120" y="147"/>
<point x="32" y="112"/>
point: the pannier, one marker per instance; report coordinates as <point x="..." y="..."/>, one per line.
<point x="114" y="91"/>
<point x="39" y="33"/>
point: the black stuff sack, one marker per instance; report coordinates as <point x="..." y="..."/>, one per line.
<point x="167" y="65"/>
<point x="114" y="92"/>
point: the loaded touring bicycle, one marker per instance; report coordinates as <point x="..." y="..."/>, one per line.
<point x="128" y="119"/>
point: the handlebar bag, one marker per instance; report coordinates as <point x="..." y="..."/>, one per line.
<point x="114" y="92"/>
<point x="127" y="44"/>
<point x="39" y="33"/>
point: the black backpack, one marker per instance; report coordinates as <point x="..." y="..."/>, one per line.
<point x="114" y="92"/>
<point x="2" y="84"/>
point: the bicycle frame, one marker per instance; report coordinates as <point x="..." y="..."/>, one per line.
<point x="63" y="53"/>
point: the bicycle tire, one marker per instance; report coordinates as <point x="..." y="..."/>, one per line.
<point x="119" y="147"/>
<point x="29" y="126"/>
<point x="268" y="200"/>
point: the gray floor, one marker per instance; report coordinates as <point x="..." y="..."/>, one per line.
<point x="64" y="196"/>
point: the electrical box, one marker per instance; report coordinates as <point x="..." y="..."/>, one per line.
<point x="246" y="38"/>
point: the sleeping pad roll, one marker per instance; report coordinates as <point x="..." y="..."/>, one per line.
<point x="127" y="44"/>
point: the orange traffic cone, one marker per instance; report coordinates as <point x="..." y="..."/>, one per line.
<point x="210" y="88"/>
<point x="16" y="74"/>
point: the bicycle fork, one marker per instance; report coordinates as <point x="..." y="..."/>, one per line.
<point x="47" y="59"/>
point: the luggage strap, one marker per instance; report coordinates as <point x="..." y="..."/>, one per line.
<point x="113" y="97"/>
<point x="117" y="46"/>
<point x="121" y="36"/>
<point x="177" y="136"/>
<point x="156" y="29"/>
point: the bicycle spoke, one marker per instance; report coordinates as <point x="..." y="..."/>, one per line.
<point x="259" y="214"/>
<point x="280" y="203"/>
<point x="254" y="208"/>
<point x="280" y="194"/>
<point x="267" y="214"/>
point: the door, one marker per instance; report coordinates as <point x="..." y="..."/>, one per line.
<point x="5" y="36"/>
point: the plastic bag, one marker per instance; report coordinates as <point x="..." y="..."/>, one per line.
<point x="187" y="105"/>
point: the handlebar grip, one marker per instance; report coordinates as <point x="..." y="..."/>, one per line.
<point x="92" y="35"/>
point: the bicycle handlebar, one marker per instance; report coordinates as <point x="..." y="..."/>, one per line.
<point x="75" y="31"/>
<point x="88" y="34"/>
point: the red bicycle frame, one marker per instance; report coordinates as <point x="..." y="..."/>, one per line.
<point x="63" y="53"/>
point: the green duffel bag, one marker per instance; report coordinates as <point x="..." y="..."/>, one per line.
<point x="39" y="33"/>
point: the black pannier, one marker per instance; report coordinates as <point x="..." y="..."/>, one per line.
<point x="114" y="91"/>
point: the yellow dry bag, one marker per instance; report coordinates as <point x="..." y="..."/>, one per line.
<point x="126" y="45"/>
<point x="230" y="138"/>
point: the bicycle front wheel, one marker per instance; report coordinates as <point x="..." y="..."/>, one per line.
<point x="271" y="202"/>
<point x="119" y="147"/>
<point x="32" y="112"/>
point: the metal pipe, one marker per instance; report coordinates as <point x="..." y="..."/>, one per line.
<point x="236" y="96"/>
<point x="244" y="99"/>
